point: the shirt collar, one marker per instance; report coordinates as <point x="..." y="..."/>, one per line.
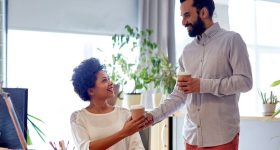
<point x="210" y="32"/>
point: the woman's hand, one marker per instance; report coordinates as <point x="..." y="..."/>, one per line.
<point x="133" y="125"/>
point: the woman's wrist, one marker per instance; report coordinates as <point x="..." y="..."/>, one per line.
<point x="122" y="133"/>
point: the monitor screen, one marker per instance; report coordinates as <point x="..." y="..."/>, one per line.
<point x="8" y="135"/>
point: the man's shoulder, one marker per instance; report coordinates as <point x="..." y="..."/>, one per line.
<point x="228" y="33"/>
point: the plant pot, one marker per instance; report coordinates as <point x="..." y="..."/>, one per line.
<point x="156" y="99"/>
<point x="268" y="109"/>
<point x="131" y="99"/>
<point x="112" y="101"/>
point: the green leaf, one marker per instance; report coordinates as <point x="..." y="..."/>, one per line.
<point x="35" y="118"/>
<point x="275" y="83"/>
<point x="29" y="142"/>
<point x="276" y="113"/>
<point x="36" y="128"/>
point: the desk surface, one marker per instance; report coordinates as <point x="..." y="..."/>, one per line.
<point x="255" y="117"/>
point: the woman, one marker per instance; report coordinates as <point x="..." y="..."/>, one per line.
<point x="101" y="126"/>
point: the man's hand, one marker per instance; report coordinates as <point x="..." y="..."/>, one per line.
<point x="190" y="85"/>
<point x="133" y="125"/>
<point x="149" y="120"/>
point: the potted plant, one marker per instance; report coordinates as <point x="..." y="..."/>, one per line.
<point x="34" y="124"/>
<point x="164" y="78"/>
<point x="276" y="83"/>
<point x="137" y="70"/>
<point x="116" y="75"/>
<point x="269" y="103"/>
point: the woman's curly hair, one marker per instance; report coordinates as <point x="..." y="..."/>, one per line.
<point x="84" y="77"/>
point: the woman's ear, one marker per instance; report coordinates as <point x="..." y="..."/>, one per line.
<point x="90" y="91"/>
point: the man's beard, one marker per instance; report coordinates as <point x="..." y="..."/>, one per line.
<point x="197" y="28"/>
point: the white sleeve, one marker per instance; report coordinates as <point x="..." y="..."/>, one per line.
<point x="135" y="142"/>
<point x="80" y="136"/>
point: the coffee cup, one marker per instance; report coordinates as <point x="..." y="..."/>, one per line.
<point x="183" y="76"/>
<point x="137" y="111"/>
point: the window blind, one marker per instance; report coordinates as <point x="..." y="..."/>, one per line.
<point x="75" y="16"/>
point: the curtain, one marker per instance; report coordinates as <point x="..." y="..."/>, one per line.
<point x="3" y="14"/>
<point x="158" y="15"/>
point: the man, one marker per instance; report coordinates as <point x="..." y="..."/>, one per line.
<point x="220" y="68"/>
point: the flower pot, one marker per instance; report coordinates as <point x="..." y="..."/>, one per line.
<point x="268" y="109"/>
<point x="156" y="99"/>
<point x="131" y="99"/>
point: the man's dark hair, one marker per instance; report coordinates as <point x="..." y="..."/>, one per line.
<point x="84" y="77"/>
<point x="199" y="4"/>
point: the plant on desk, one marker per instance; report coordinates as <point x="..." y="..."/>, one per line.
<point x="269" y="103"/>
<point x="276" y="83"/>
<point x="35" y="126"/>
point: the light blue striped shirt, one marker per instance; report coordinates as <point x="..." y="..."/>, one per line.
<point x="220" y="59"/>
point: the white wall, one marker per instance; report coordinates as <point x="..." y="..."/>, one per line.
<point x="255" y="134"/>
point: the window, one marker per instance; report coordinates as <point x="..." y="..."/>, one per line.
<point x="260" y="32"/>
<point x="43" y="62"/>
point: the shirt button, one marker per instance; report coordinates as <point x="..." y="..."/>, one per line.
<point x="198" y="109"/>
<point x="198" y="126"/>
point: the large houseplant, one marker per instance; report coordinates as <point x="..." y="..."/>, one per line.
<point x="164" y="78"/>
<point x="136" y="70"/>
<point x="116" y="70"/>
<point x="151" y="66"/>
<point x="163" y="74"/>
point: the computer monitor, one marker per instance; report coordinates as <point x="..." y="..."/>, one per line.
<point x="8" y="135"/>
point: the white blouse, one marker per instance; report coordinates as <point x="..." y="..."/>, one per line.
<point x="87" y="127"/>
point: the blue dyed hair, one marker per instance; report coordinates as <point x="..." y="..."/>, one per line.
<point x="84" y="77"/>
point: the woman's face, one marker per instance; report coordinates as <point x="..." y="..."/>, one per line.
<point x="103" y="87"/>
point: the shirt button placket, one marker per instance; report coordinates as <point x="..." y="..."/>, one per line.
<point x="199" y="136"/>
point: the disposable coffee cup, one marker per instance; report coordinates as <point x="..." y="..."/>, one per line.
<point x="183" y="76"/>
<point x="137" y="111"/>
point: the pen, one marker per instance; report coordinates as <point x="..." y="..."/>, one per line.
<point x="53" y="145"/>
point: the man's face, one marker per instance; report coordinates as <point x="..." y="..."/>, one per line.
<point x="191" y="19"/>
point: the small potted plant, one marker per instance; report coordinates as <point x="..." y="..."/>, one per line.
<point x="269" y="103"/>
<point x="273" y="84"/>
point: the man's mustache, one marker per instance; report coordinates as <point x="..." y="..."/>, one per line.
<point x="187" y="25"/>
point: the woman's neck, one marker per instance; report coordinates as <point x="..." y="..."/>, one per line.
<point x="99" y="107"/>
